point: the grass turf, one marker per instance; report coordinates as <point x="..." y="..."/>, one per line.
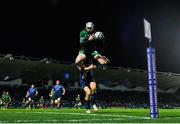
<point x="79" y="116"/>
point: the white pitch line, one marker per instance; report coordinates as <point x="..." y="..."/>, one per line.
<point x="74" y="120"/>
<point x="103" y="115"/>
<point x="95" y="119"/>
<point x="30" y="121"/>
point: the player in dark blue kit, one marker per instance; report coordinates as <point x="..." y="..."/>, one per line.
<point x="56" y="94"/>
<point x="88" y="84"/>
<point x="31" y="94"/>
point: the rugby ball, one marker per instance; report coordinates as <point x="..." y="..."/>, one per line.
<point x="99" y="35"/>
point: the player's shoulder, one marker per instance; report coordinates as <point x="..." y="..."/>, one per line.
<point x="83" y="32"/>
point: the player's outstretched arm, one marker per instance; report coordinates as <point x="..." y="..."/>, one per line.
<point x="63" y="91"/>
<point x="27" y="94"/>
<point x="50" y="94"/>
<point x="37" y="92"/>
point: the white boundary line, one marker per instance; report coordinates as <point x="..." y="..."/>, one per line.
<point x="85" y="114"/>
<point x="73" y="120"/>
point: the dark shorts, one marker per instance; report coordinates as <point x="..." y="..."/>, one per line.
<point x="86" y="79"/>
<point x="56" y="96"/>
<point x="5" y="101"/>
<point x="89" y="54"/>
<point x="32" y="98"/>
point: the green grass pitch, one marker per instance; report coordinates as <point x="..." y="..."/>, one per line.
<point x="79" y="116"/>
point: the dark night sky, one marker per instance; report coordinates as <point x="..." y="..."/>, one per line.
<point x="51" y="29"/>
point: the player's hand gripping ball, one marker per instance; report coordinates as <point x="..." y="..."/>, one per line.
<point x="99" y="35"/>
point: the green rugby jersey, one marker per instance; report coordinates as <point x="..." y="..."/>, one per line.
<point x="86" y="46"/>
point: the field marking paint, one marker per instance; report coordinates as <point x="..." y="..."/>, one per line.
<point x="103" y="115"/>
<point x="68" y="120"/>
<point x="25" y="121"/>
<point x="96" y="119"/>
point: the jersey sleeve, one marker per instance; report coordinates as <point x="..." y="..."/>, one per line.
<point x="83" y="38"/>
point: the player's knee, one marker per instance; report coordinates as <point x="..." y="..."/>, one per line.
<point x="80" y="59"/>
<point x="88" y="93"/>
<point x="93" y="91"/>
<point x="87" y="98"/>
<point x="59" y="99"/>
<point x="93" y="86"/>
<point x="77" y="61"/>
<point x="102" y="61"/>
<point x="97" y="56"/>
<point x="29" y="99"/>
<point x="56" y="101"/>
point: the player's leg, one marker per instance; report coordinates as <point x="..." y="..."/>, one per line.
<point x="87" y="98"/>
<point x="1" y="104"/>
<point x="29" y="102"/>
<point x="58" y="103"/>
<point x="76" y="105"/>
<point x="32" y="103"/>
<point x="90" y="67"/>
<point x="42" y="105"/>
<point x="79" y="60"/>
<point x="8" y="104"/>
<point x="53" y="100"/>
<point x="101" y="59"/>
<point x="93" y="95"/>
<point x="52" y="103"/>
<point x="79" y="105"/>
<point x="5" y="105"/>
